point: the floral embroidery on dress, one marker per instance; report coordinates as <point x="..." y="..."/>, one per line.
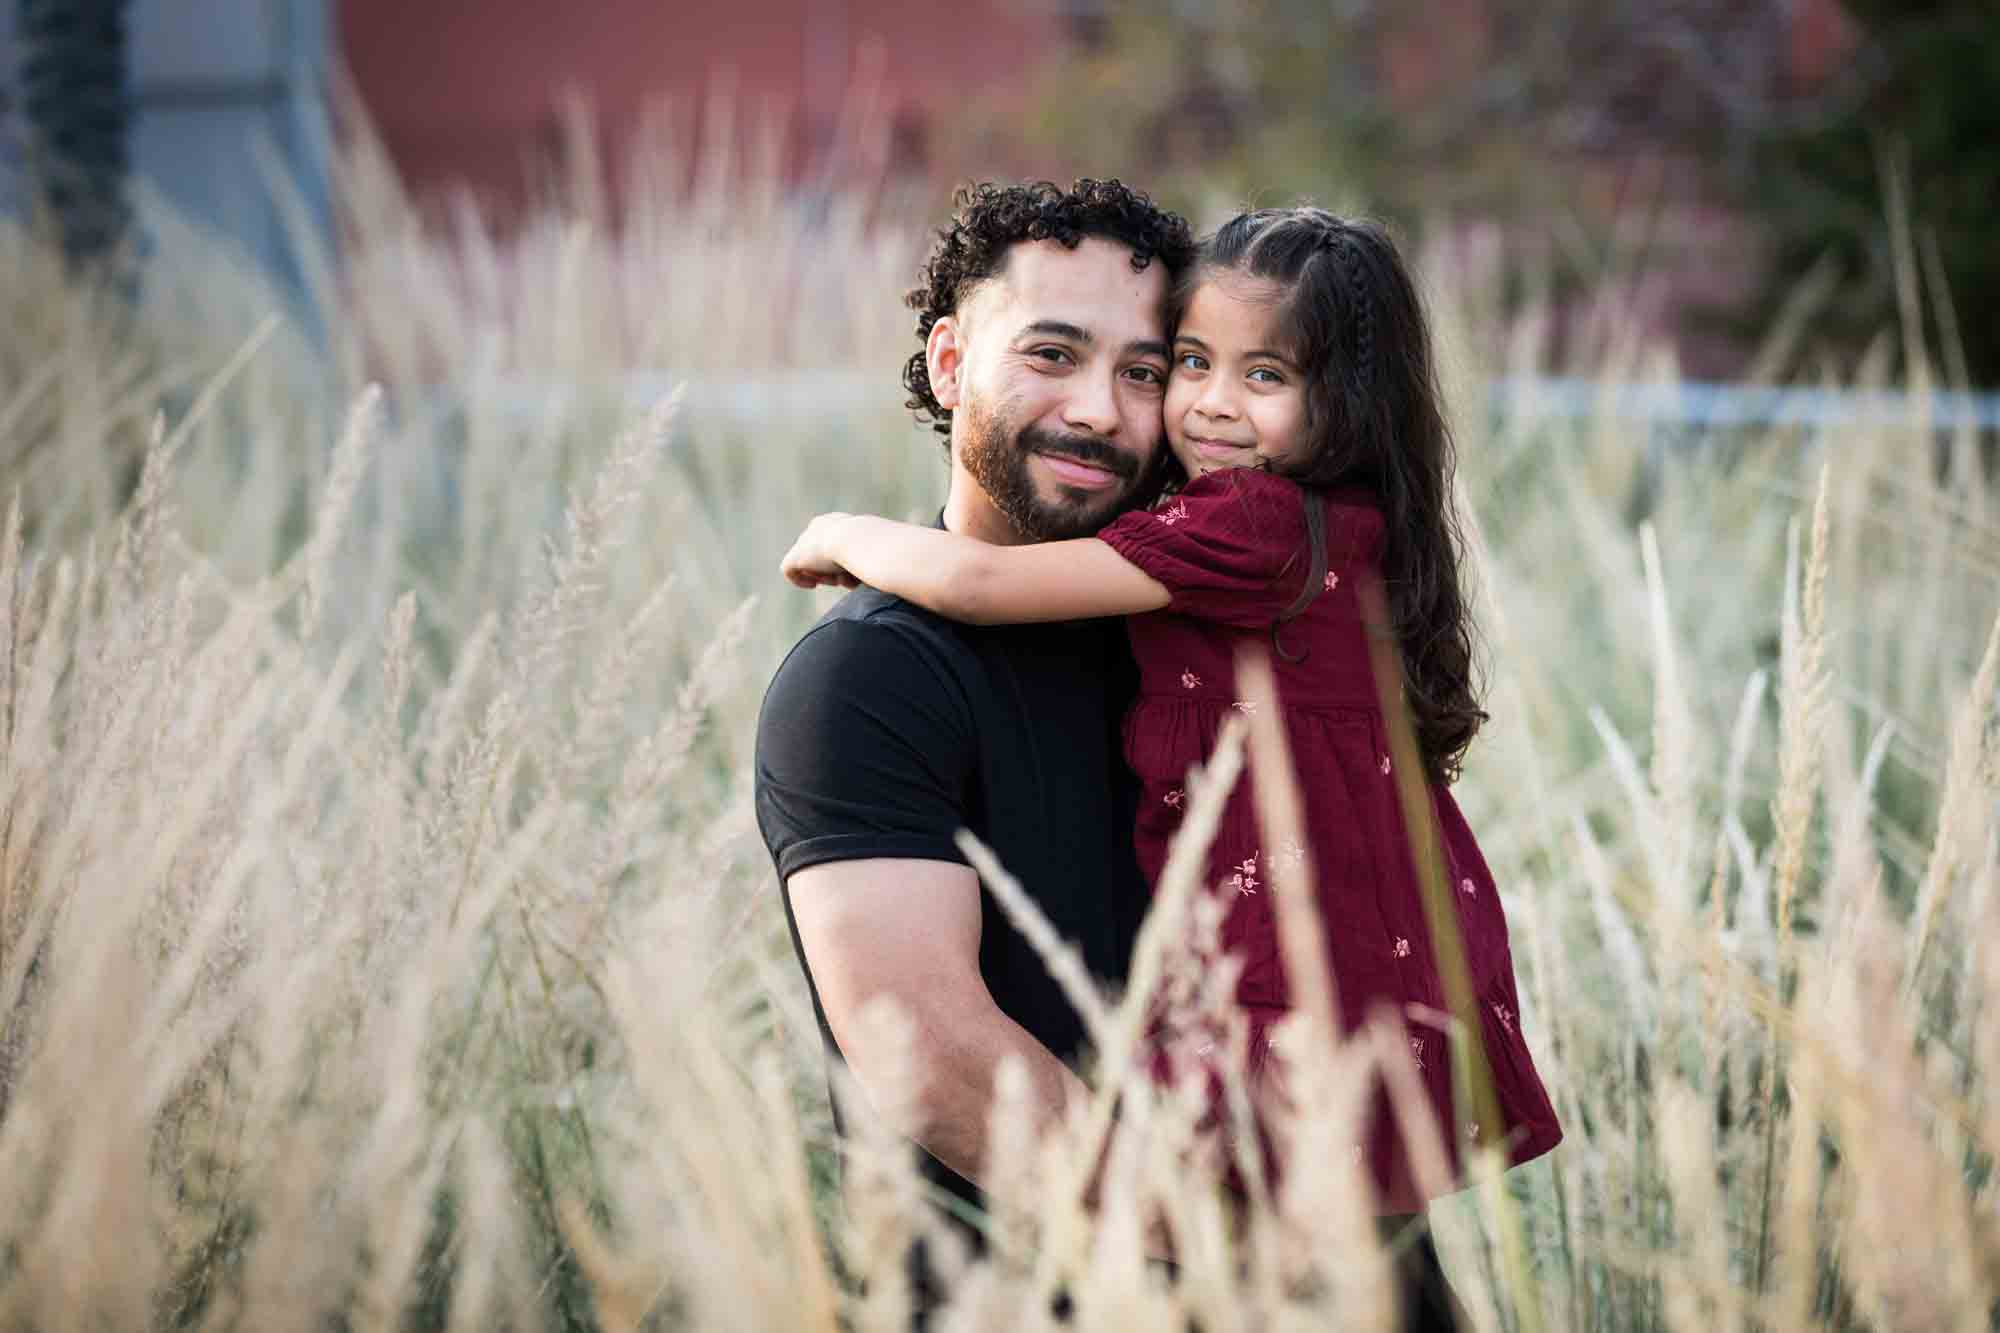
<point x="1402" y="949"/>
<point x="1332" y="580"/>
<point x="1506" y="1017"/>
<point x="1190" y="681"/>
<point x="1247" y="707"/>
<point x="1174" y="514"/>
<point x="1173" y="798"/>
<point x="1470" y="889"/>
<point x="1417" y="1050"/>
<point x="1385" y="765"/>
<point x="1244" y="881"/>
<point x="1472" y="1130"/>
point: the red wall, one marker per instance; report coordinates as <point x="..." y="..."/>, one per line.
<point x="467" y="89"/>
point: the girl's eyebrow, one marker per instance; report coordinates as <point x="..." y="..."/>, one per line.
<point x="1269" y="354"/>
<point x="1254" y="354"/>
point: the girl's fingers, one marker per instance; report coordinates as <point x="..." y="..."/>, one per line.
<point x="804" y="567"/>
<point x="804" y="576"/>
<point x="798" y="571"/>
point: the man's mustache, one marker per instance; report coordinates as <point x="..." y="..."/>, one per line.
<point x="1089" y="449"/>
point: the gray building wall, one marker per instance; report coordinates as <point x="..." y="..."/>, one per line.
<point x="210" y="78"/>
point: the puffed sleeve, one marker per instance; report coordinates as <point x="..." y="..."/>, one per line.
<point x="1230" y="547"/>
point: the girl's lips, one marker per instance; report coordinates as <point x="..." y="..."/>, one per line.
<point x="1215" y="448"/>
<point x="1075" y="473"/>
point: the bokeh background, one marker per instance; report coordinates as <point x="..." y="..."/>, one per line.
<point x="403" y="408"/>
<point x="1732" y="149"/>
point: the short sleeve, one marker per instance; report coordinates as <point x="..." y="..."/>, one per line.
<point x="865" y="748"/>
<point x="1230" y="547"/>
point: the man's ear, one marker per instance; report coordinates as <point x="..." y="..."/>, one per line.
<point x="944" y="357"/>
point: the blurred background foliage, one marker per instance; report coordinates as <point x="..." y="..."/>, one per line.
<point x="1721" y="160"/>
<point x="1923" y="110"/>
<point x="1765" y="140"/>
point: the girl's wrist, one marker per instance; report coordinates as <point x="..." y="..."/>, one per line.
<point x="847" y="530"/>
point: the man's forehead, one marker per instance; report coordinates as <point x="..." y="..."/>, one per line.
<point x="1093" y="286"/>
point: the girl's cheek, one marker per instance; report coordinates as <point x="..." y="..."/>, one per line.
<point x="1294" y="433"/>
<point x="1174" y="408"/>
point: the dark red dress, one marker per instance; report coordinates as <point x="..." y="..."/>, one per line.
<point x="1232" y="548"/>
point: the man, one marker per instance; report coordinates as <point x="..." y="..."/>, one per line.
<point x="1043" y="318"/>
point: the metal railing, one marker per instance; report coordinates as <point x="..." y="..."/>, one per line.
<point x="1703" y="405"/>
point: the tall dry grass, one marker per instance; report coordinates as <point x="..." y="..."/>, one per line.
<point x="384" y="941"/>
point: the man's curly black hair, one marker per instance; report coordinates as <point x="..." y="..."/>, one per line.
<point x="988" y="220"/>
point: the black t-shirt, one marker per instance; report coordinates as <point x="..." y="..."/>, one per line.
<point x="887" y="729"/>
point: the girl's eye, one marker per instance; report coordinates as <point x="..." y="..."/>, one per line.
<point x="1192" y="361"/>
<point x="1148" y="374"/>
<point x="1271" y="376"/>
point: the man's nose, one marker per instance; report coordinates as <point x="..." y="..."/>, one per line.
<point x="1093" y="404"/>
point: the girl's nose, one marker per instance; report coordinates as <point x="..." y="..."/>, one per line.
<point x="1216" y="403"/>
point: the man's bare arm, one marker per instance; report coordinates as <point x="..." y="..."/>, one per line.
<point x="909" y="930"/>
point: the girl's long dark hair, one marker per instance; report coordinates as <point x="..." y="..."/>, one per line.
<point x="1354" y="324"/>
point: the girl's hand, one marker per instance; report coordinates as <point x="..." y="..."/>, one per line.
<point x="811" y="563"/>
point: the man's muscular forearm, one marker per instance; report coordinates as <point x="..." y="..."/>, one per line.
<point x="906" y="933"/>
<point x="957" y="1064"/>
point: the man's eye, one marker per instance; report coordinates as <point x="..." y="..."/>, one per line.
<point x="1053" y="355"/>
<point x="1148" y="374"/>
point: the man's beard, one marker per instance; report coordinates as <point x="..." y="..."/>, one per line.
<point x="1000" y="465"/>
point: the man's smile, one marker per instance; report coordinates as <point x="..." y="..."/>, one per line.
<point x="1075" y="472"/>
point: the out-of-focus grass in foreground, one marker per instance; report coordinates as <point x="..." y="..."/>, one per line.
<point x="384" y="940"/>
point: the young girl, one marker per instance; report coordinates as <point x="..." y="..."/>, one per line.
<point x="1304" y="410"/>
